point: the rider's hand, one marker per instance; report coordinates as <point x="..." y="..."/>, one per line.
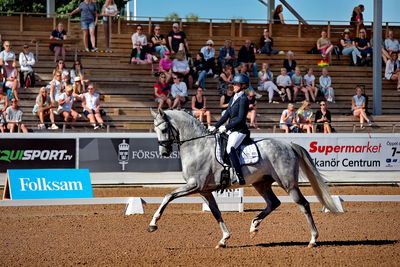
<point x="222" y="129"/>
<point x="211" y="128"/>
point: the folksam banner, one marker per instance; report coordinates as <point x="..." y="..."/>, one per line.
<point x="48" y="184"/>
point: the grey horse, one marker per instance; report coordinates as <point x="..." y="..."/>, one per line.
<point x="279" y="162"/>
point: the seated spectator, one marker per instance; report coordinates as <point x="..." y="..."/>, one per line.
<point x="177" y="40"/>
<point x="139" y="44"/>
<point x="181" y="65"/>
<point x="14" y="117"/>
<point x="165" y="66"/>
<point x="43" y="109"/>
<point x="91" y="108"/>
<point x="65" y="107"/>
<point x="227" y="55"/>
<point x="65" y="80"/>
<point x="266" y="43"/>
<point x="304" y="117"/>
<point x="392" y="70"/>
<point x="60" y="66"/>
<point x="200" y="70"/>
<point x="58" y="34"/>
<point x="252" y="113"/>
<point x="11" y="77"/>
<point x="159" y="41"/>
<point x="225" y="78"/>
<point x="3" y="103"/>
<point x="108" y="11"/>
<point x="26" y="62"/>
<point x="284" y="84"/>
<point x="77" y="87"/>
<point x="162" y="92"/>
<point x="325" y="46"/>
<point x="199" y="106"/>
<point x="390" y="45"/>
<point x="363" y="45"/>
<point x="278" y="15"/>
<point x="266" y="82"/>
<point x="7" y="53"/>
<point x="298" y="82"/>
<point x="309" y="84"/>
<point x="290" y="63"/>
<point x="247" y="55"/>
<point x="2" y="123"/>
<point x="325" y="85"/>
<point x="323" y="119"/>
<point x="349" y="47"/>
<point x="225" y="99"/>
<point x="288" y="121"/>
<point x="209" y="56"/>
<point x="178" y="91"/>
<point x="56" y="88"/>
<point x="358" y="107"/>
<point x="78" y="71"/>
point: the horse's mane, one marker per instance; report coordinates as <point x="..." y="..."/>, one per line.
<point x="189" y="121"/>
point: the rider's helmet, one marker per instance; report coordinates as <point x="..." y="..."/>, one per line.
<point x="241" y="78"/>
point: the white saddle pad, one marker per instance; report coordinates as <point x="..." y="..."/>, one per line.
<point x="248" y="154"/>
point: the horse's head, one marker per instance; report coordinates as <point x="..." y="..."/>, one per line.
<point x="167" y="135"/>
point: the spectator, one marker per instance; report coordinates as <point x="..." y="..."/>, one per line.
<point x="358" y="107"/>
<point x="278" y="15"/>
<point x="252" y="113"/>
<point x="2" y="123"/>
<point x="287" y="121"/>
<point x="139" y="44"/>
<point x="266" y="82"/>
<point x="200" y="68"/>
<point x="91" y="108"/>
<point x="363" y="45"/>
<point x="284" y="85"/>
<point x="60" y="67"/>
<point x="225" y="99"/>
<point x="209" y="56"/>
<point x="162" y="92"/>
<point x="65" y="81"/>
<point x="165" y="66"/>
<point x="14" y="117"/>
<point x="325" y="85"/>
<point x="43" y="109"/>
<point x="298" y="82"/>
<point x="290" y="63"/>
<point x="199" y="106"/>
<point x="58" y="34"/>
<point x="392" y="71"/>
<point x="89" y="17"/>
<point x="323" y="119"/>
<point x="357" y="17"/>
<point x="3" y="103"/>
<point x="304" y="117"/>
<point x="78" y="71"/>
<point x="56" y="88"/>
<point x="26" y="62"/>
<point x="178" y="91"/>
<point x="159" y="41"/>
<point x="11" y="76"/>
<point x="227" y="55"/>
<point x="77" y="87"/>
<point x="181" y="65"/>
<point x="247" y="55"/>
<point x="225" y="78"/>
<point x="325" y="46"/>
<point x="108" y="11"/>
<point x="6" y="53"/>
<point x="177" y="40"/>
<point x="390" y="45"/>
<point x="65" y="106"/>
<point x="266" y="43"/>
<point x="349" y="47"/>
<point x="244" y="70"/>
<point x="309" y="84"/>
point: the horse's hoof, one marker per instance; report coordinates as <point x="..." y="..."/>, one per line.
<point x="152" y="228"/>
<point x="311" y="245"/>
<point x="221" y="245"/>
<point x="253" y="233"/>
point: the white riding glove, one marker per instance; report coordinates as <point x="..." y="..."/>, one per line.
<point x="222" y="129"/>
<point x="211" y="128"/>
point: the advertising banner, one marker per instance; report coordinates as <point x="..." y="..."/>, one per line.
<point x="37" y="154"/>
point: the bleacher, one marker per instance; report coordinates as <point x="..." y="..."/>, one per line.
<point x="127" y="90"/>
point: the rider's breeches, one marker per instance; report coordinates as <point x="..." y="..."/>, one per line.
<point x="234" y="140"/>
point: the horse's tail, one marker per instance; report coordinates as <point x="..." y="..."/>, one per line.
<point x="314" y="176"/>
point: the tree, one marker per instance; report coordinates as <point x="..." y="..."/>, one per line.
<point x="192" y="17"/>
<point x="172" y="17"/>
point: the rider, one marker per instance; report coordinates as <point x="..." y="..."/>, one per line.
<point x="236" y="128"/>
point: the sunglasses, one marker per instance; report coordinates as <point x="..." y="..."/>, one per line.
<point x="322" y="105"/>
<point x="162" y="77"/>
<point x="13" y="101"/>
<point x="60" y="63"/>
<point x="209" y="44"/>
<point x="90" y="88"/>
<point x="139" y="29"/>
<point x="156" y="29"/>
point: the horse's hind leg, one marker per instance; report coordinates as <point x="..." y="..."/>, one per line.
<point x="212" y="204"/>
<point x="305" y="208"/>
<point x="265" y="190"/>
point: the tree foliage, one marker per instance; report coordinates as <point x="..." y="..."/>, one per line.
<point x="172" y="17"/>
<point x="192" y="17"/>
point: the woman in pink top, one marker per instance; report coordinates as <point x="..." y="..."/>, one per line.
<point x="165" y="66"/>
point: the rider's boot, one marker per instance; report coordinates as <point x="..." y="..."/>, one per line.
<point x="236" y="165"/>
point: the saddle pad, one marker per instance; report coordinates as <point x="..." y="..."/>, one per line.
<point x="248" y="154"/>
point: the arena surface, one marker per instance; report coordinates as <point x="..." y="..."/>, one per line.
<point x="367" y="234"/>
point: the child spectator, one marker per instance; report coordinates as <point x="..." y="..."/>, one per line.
<point x="287" y="121"/>
<point x="178" y="91"/>
<point x="323" y="119"/>
<point x="363" y="44"/>
<point x="309" y="84"/>
<point x="165" y="66"/>
<point x="58" y="34"/>
<point x="77" y="87"/>
<point x="392" y="70"/>
<point x="252" y="113"/>
<point x="56" y="88"/>
<point x="11" y="77"/>
<point x="177" y="40"/>
<point x="290" y="63"/>
<point x="108" y="11"/>
<point x="159" y="41"/>
<point x="247" y="55"/>
<point x="65" y="106"/>
<point x="14" y="117"/>
<point x="284" y="85"/>
<point x="7" y="53"/>
<point x="43" y="109"/>
<point x="325" y="46"/>
<point x="91" y="108"/>
<point x="225" y="99"/>
<point x="278" y="15"/>
<point x="199" y="106"/>
<point x="349" y="47"/>
<point x="358" y="107"/>
<point x="266" y="43"/>
<point x="325" y="85"/>
<point x="181" y="65"/>
<point x="162" y="92"/>
<point x="297" y="81"/>
<point x="139" y="44"/>
<point x="225" y="79"/>
<point x="266" y="83"/>
<point x="209" y="56"/>
<point x="26" y="62"/>
<point x="304" y="117"/>
<point x="227" y="55"/>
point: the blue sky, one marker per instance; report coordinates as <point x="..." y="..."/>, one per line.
<point x="252" y="9"/>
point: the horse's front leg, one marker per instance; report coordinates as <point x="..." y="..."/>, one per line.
<point x="212" y="204"/>
<point x="189" y="188"/>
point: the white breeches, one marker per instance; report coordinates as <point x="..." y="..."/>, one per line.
<point x="234" y="140"/>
